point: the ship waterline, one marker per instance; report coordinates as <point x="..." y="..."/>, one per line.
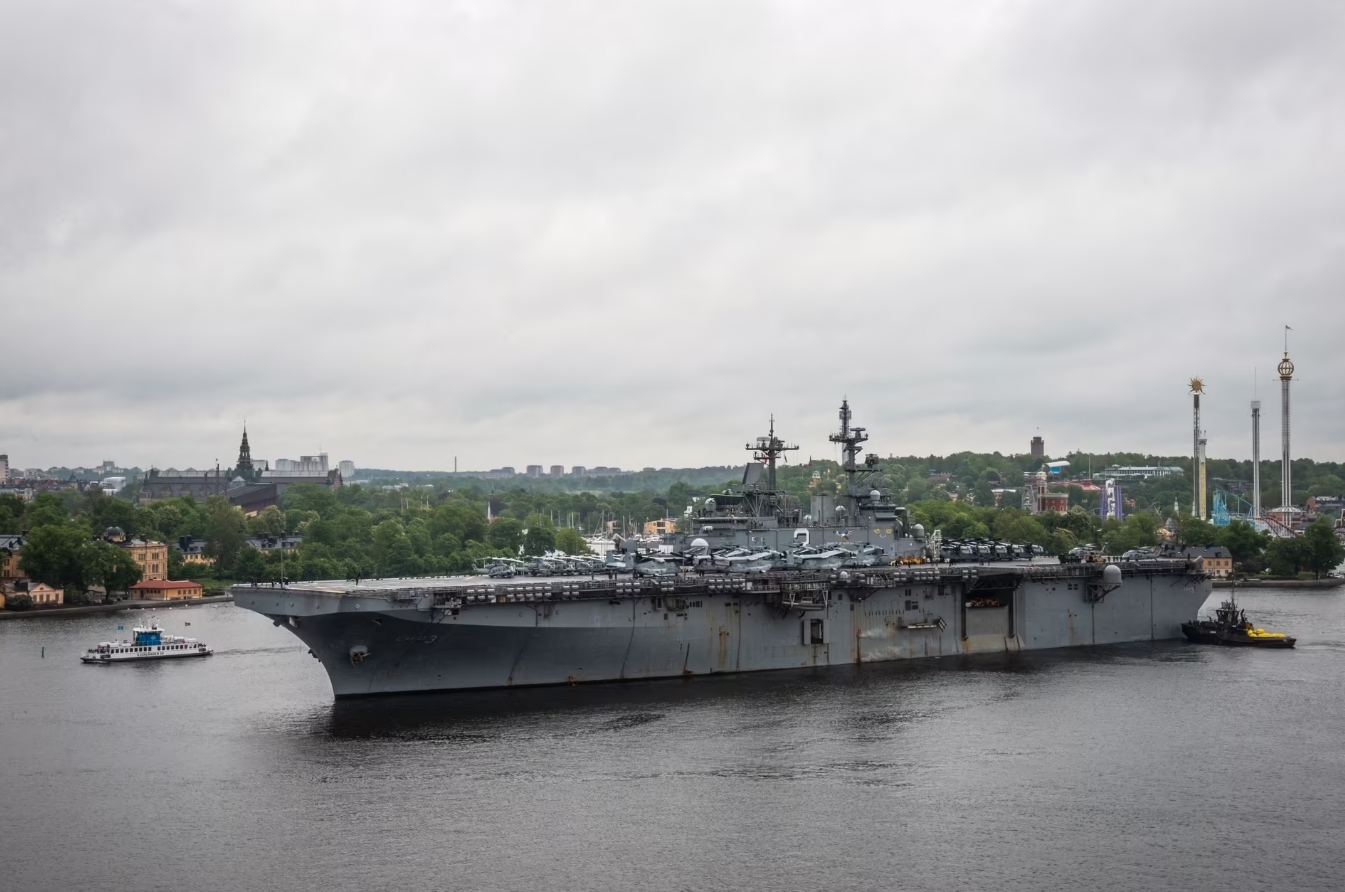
<point x="413" y="635"/>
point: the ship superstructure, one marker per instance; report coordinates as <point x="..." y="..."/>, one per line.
<point x="758" y="516"/>
<point x="822" y="588"/>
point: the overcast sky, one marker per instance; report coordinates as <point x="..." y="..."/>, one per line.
<point x="625" y="233"/>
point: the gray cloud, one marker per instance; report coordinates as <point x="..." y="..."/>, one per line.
<point x="625" y="233"/>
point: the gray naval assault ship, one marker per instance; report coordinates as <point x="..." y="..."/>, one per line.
<point x="876" y="596"/>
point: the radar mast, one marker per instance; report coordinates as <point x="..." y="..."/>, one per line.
<point x="850" y="439"/>
<point x="766" y="450"/>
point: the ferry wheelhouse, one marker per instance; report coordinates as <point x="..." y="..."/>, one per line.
<point x="149" y="643"/>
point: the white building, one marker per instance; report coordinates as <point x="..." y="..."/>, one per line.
<point x="347" y="469"/>
<point x="306" y="466"/>
<point x="4" y="469"/>
<point x="1145" y="472"/>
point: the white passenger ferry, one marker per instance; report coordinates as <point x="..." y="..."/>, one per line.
<point x="149" y="643"/>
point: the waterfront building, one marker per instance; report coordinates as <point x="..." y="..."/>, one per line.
<point x="659" y="527"/>
<point x="1215" y="559"/>
<point x="43" y="595"/>
<point x="165" y="590"/>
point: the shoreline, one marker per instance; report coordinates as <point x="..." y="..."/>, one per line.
<point x="86" y="609"/>
<point x="1326" y="582"/>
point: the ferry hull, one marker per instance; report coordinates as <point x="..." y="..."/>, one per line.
<point x="371" y="643"/>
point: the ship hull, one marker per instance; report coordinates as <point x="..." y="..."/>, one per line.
<point x="371" y="643"/>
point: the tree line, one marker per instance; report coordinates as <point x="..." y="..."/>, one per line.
<point x="443" y="528"/>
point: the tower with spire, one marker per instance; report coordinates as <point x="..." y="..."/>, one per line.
<point x="244" y="468"/>
<point x="1286" y="370"/>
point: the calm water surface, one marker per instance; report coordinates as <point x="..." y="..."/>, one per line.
<point x="1163" y="766"/>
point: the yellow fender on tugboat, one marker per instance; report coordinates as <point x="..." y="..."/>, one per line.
<point x="1262" y="633"/>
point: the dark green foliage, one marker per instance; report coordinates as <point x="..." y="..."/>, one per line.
<point x="1243" y="541"/>
<point x="109" y="566"/>
<point x="1322" y="550"/>
<point x="506" y="534"/>
<point x="540" y="536"/>
<point x="270" y="522"/>
<point x="48" y="509"/>
<point x="1285" y="557"/>
<point x="1194" y="532"/>
<point x="249" y="566"/>
<point x="19" y="602"/>
<point x="226" y="530"/>
<point x="55" y="555"/>
<point x="570" y="542"/>
<point x="105" y="511"/>
<point x="367" y="530"/>
<point x="13" y="504"/>
<point x="1136" y="531"/>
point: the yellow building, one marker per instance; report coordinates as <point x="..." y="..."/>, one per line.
<point x="11" y="549"/>
<point x="42" y="594"/>
<point x="1215" y="560"/>
<point x="659" y="527"/>
<point x="165" y="590"/>
<point x="151" y="556"/>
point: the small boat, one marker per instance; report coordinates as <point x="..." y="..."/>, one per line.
<point x="1231" y="628"/>
<point x="150" y="643"/>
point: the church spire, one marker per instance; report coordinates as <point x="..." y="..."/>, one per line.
<point x="244" y="468"/>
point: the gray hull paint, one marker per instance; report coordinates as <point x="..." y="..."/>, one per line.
<point x="417" y="646"/>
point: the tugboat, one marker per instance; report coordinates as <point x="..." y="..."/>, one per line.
<point x="149" y="643"/>
<point x="1231" y="628"/>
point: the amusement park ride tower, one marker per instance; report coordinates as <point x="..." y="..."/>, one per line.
<point x="1286" y="370"/>
<point x="1198" y="452"/>
<point x="1256" y="458"/>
